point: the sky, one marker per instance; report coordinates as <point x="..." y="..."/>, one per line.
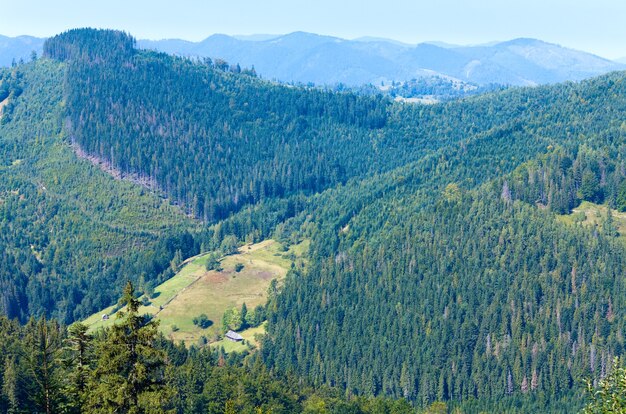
<point x="596" y="26"/>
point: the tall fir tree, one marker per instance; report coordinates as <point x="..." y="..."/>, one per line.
<point x="42" y="352"/>
<point x="77" y="361"/>
<point x="129" y="376"/>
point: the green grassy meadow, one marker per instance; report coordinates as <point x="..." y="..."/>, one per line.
<point x="591" y="214"/>
<point x="194" y="291"/>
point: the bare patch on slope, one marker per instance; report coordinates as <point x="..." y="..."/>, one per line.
<point x="142" y="180"/>
<point x="3" y="104"/>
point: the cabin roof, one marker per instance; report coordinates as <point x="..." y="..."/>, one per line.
<point x="234" y="335"/>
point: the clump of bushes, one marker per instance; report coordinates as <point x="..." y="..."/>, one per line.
<point x="202" y="321"/>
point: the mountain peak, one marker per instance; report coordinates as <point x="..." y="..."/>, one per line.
<point x="372" y="39"/>
<point x="309" y="57"/>
<point x="524" y="41"/>
<point x="220" y="36"/>
<point x="300" y="35"/>
<point x="88" y="43"/>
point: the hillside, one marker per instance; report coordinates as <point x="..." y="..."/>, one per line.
<point x="391" y="211"/>
<point x="70" y="234"/>
<point x="482" y="294"/>
<point x="263" y="141"/>
<point x="589" y="214"/>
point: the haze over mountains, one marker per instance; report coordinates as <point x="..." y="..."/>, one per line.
<point x="324" y="60"/>
<point x="306" y="57"/>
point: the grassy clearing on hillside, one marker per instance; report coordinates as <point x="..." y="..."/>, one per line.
<point x="194" y="291"/>
<point x="249" y="340"/>
<point x="591" y="214"/>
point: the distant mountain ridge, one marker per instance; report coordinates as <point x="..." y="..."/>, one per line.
<point x="20" y="47"/>
<point x="326" y="60"/>
<point x="302" y="57"/>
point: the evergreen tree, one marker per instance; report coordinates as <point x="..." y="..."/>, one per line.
<point x="129" y="372"/>
<point x="621" y="197"/>
<point x="610" y="395"/>
<point x="10" y="386"/>
<point x="244" y="316"/>
<point x="589" y="188"/>
<point x="77" y="361"/>
<point x="212" y="262"/>
<point x="43" y="346"/>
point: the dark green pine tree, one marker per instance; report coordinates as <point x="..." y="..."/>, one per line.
<point x="43" y="346"/>
<point x="129" y="376"/>
<point x="77" y="361"/>
<point x="244" y="316"/>
<point x="589" y="189"/>
<point x="10" y="387"/>
<point x="621" y="197"/>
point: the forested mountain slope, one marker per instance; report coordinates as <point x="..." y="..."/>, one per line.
<point x="51" y="368"/>
<point x="437" y="269"/>
<point x="473" y="298"/>
<point x="453" y="291"/>
<point x="70" y="235"/>
<point x="216" y="141"/>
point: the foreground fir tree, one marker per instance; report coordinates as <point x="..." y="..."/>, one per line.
<point x="43" y="345"/>
<point x="47" y="368"/>
<point x="77" y="360"/>
<point x="610" y="395"/>
<point x="129" y="371"/>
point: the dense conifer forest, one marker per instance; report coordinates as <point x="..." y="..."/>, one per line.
<point x="66" y="226"/>
<point x="132" y="369"/>
<point x="439" y="276"/>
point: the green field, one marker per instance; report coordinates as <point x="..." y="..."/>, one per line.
<point x="594" y="215"/>
<point x="194" y="291"/>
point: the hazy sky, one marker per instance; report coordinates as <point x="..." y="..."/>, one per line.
<point x="597" y="26"/>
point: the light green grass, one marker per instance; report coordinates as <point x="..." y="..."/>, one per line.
<point x="163" y="294"/>
<point x="194" y="291"/>
<point x="591" y="214"/>
<point x="216" y="291"/>
<point x="95" y="321"/>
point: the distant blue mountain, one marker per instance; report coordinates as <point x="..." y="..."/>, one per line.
<point x="18" y="48"/>
<point x="256" y="37"/>
<point x="325" y="60"/>
<point x="305" y="57"/>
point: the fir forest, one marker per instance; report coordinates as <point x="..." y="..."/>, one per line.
<point x="466" y="256"/>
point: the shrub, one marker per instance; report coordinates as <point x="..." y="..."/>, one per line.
<point x="202" y="321"/>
